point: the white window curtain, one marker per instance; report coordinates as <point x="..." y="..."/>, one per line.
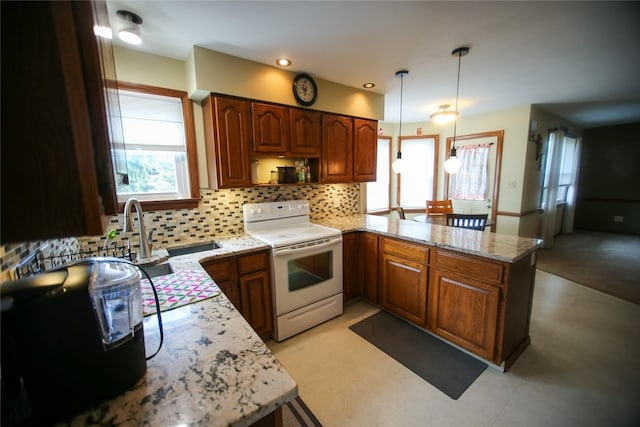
<point x="550" y="186"/>
<point x="378" y="192"/>
<point x="470" y="183"/>
<point x="571" y="165"/>
<point x="416" y="180"/>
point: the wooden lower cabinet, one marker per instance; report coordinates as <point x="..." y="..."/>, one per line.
<point x="369" y="274"/>
<point x="464" y="311"/>
<point x="351" y="266"/>
<point x="403" y="279"/>
<point x="246" y="281"/>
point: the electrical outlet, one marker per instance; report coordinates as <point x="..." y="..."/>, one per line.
<point x="618" y="218"/>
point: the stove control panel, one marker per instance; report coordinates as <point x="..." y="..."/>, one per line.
<point x="253" y="212"/>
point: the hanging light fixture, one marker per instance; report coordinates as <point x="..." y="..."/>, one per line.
<point x="131" y="33"/>
<point x="397" y="164"/>
<point x="444" y="115"/>
<point x="452" y="164"/>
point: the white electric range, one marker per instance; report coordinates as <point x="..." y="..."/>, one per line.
<point x="306" y="264"/>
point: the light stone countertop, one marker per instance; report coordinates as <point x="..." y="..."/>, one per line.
<point x="212" y="370"/>
<point x="501" y="247"/>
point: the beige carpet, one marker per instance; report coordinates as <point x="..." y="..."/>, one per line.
<point x="604" y="261"/>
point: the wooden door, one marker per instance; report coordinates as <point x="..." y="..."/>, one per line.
<point x="464" y="311"/>
<point x="228" y="141"/>
<point x="270" y="129"/>
<point x="404" y="288"/>
<point x="351" y="257"/>
<point x="255" y="296"/>
<point x="365" y="150"/>
<point x="369" y="275"/>
<point x="337" y="148"/>
<point x="306" y="132"/>
<point x="224" y="273"/>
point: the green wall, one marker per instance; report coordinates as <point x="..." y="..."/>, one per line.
<point x="609" y="182"/>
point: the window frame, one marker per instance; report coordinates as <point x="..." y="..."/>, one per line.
<point x="190" y="148"/>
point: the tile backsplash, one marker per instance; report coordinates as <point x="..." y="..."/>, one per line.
<point x="219" y="213"/>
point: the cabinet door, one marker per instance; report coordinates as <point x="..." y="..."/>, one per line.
<point x="464" y="311"/>
<point x="404" y="288"/>
<point x="227" y="129"/>
<point x="369" y="245"/>
<point x="306" y="132"/>
<point x="351" y="262"/>
<point x="270" y="129"/>
<point x="337" y="148"/>
<point x="255" y="296"/>
<point x="224" y="273"/>
<point x="56" y="166"/>
<point x="365" y="150"/>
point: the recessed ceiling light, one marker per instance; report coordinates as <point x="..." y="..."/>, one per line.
<point x="131" y="33"/>
<point x="283" y="62"/>
<point x="368" y="85"/>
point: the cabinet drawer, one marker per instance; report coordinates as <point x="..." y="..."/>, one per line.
<point x="471" y="267"/>
<point x="419" y="254"/>
<point x="254" y="262"/>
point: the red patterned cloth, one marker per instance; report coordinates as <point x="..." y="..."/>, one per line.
<point x="177" y="289"/>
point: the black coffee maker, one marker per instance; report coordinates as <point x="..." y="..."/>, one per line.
<point x="73" y="337"/>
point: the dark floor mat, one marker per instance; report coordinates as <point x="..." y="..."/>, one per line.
<point x="448" y="369"/>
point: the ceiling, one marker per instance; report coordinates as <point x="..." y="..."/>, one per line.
<point x="579" y="60"/>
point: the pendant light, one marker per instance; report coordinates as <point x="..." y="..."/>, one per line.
<point x="397" y="164"/>
<point x="452" y="165"/>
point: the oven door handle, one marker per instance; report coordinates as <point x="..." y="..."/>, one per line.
<point x="296" y="249"/>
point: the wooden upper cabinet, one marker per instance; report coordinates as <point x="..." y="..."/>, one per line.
<point x="365" y="150"/>
<point x="270" y="129"/>
<point x="306" y="132"/>
<point x="337" y="148"/>
<point x="227" y="123"/>
<point x="57" y="179"/>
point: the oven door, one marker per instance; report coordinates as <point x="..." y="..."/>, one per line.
<point x="306" y="273"/>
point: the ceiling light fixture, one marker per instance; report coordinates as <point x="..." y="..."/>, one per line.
<point x="283" y="62"/>
<point x="452" y="164"/>
<point x="369" y="85"/>
<point x="444" y="115"/>
<point x="131" y="33"/>
<point x="397" y="164"/>
<point x="102" y="31"/>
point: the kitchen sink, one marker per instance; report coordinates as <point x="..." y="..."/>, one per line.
<point x="158" y="270"/>
<point x="198" y="247"/>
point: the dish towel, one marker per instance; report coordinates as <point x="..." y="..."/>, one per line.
<point x="177" y="289"/>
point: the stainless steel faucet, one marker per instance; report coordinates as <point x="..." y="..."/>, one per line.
<point x="145" y="246"/>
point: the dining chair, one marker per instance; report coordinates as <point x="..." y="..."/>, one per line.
<point x="439" y="207"/>
<point x="472" y="221"/>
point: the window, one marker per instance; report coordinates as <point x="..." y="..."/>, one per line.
<point x="566" y="175"/>
<point x="417" y="180"/>
<point x="378" y="192"/>
<point x="158" y="143"/>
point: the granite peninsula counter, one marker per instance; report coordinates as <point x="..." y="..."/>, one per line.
<point x="500" y="247"/>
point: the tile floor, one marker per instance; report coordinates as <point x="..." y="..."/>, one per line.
<point x="582" y="369"/>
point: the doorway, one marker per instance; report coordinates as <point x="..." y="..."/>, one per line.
<point x="489" y="203"/>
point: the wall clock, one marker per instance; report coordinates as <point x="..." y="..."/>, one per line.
<point x="305" y="90"/>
